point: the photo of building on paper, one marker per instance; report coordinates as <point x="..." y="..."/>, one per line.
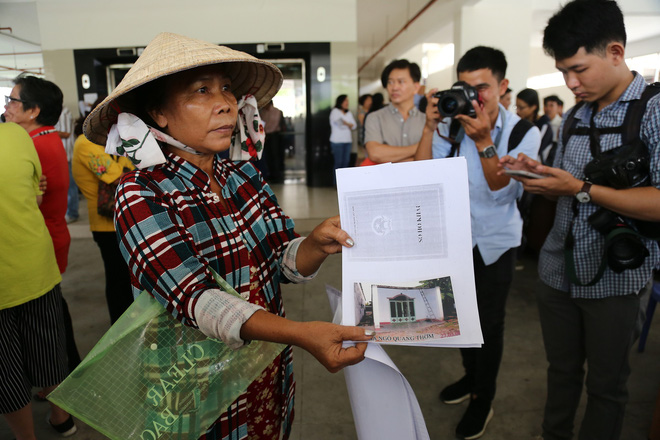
<point x="409" y="312"/>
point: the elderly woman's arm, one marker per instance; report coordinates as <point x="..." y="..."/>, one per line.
<point x="322" y="340"/>
<point x="164" y="260"/>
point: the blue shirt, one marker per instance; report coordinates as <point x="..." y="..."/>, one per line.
<point x="589" y="242"/>
<point x="496" y="222"/>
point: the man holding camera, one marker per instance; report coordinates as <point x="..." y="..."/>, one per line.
<point x="484" y="136"/>
<point x="391" y="134"/>
<point x="598" y="257"/>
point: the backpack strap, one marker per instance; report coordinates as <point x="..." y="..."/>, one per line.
<point x="518" y="133"/>
<point x="630" y="129"/>
<point x="569" y="124"/>
<point x="632" y="122"/>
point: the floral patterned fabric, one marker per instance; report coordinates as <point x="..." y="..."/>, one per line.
<point x="132" y="138"/>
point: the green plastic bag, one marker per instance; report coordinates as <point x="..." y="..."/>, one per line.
<point x="152" y="378"/>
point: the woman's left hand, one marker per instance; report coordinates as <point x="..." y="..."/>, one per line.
<point x="327" y="238"/>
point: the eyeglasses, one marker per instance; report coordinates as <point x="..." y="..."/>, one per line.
<point x="9" y="99"/>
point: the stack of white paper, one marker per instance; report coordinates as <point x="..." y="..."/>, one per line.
<point x="409" y="276"/>
<point x="383" y="403"/>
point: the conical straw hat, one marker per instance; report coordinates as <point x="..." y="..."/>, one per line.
<point x="170" y="53"/>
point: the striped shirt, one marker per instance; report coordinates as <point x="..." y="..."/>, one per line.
<point x="172" y="229"/>
<point x="589" y="242"/>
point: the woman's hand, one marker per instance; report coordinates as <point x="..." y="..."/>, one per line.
<point x="326" y="239"/>
<point x="43" y="183"/>
<point x="324" y="341"/>
<point x="329" y="237"/>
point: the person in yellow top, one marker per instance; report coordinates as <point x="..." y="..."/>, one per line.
<point x="32" y="337"/>
<point x="89" y="165"/>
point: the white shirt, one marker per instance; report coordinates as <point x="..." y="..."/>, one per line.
<point x="340" y="133"/>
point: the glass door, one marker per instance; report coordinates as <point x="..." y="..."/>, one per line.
<point x="292" y="100"/>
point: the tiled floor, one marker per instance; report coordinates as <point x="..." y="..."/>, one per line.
<point x="322" y="408"/>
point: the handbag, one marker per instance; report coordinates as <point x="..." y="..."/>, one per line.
<point x="152" y="378"/>
<point x="105" y="202"/>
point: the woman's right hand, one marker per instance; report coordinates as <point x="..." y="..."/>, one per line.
<point x="43" y="183"/>
<point x="324" y="341"/>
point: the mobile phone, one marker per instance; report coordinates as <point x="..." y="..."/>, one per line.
<point x="522" y="173"/>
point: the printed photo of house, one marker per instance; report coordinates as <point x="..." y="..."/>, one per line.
<point x="409" y="312"/>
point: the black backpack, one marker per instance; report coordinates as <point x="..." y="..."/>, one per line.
<point x="630" y="134"/>
<point x="632" y="122"/>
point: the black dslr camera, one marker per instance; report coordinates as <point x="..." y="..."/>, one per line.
<point x="457" y="100"/>
<point x="624" y="167"/>
<point x="625" y="250"/>
<point x="627" y="166"/>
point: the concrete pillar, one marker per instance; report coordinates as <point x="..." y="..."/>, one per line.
<point x="504" y="25"/>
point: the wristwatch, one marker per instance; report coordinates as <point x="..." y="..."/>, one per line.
<point x="583" y="195"/>
<point x="488" y="152"/>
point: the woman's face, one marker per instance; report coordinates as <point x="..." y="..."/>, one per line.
<point x="15" y="112"/>
<point x="199" y="109"/>
<point x="523" y="110"/>
<point x="505" y="100"/>
<point x="367" y="103"/>
<point x="344" y="105"/>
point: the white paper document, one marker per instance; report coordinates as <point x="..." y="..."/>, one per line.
<point x="383" y="403"/>
<point x="409" y="276"/>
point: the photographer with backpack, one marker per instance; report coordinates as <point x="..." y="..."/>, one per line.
<point x="598" y="258"/>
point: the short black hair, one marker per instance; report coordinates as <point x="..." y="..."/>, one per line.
<point x="340" y="100"/>
<point x="592" y="24"/>
<point x="377" y="102"/>
<point x="363" y="98"/>
<point x="553" y="98"/>
<point x="38" y="92"/>
<point x="482" y="57"/>
<point x="413" y="68"/>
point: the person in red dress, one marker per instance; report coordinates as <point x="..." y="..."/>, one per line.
<point x="36" y="106"/>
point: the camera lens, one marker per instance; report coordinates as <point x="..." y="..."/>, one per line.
<point x="626" y="253"/>
<point x="448" y="105"/>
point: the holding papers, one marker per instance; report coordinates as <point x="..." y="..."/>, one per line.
<point x="409" y="276"/>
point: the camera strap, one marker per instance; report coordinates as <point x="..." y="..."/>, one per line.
<point x="457" y="133"/>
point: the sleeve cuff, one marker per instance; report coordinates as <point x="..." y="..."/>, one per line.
<point x="221" y="315"/>
<point x="289" y="268"/>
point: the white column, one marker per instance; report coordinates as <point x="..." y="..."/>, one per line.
<point x="503" y="24"/>
<point x="375" y="305"/>
<point x="438" y="297"/>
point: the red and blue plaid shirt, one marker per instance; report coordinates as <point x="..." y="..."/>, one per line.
<point x="172" y="229"/>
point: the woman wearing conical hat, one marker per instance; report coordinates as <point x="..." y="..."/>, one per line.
<point x="185" y="211"/>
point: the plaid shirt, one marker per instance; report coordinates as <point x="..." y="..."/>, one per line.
<point x="172" y="231"/>
<point x="589" y="243"/>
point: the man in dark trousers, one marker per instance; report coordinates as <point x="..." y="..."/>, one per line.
<point x="496" y="222"/>
<point x="590" y="302"/>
